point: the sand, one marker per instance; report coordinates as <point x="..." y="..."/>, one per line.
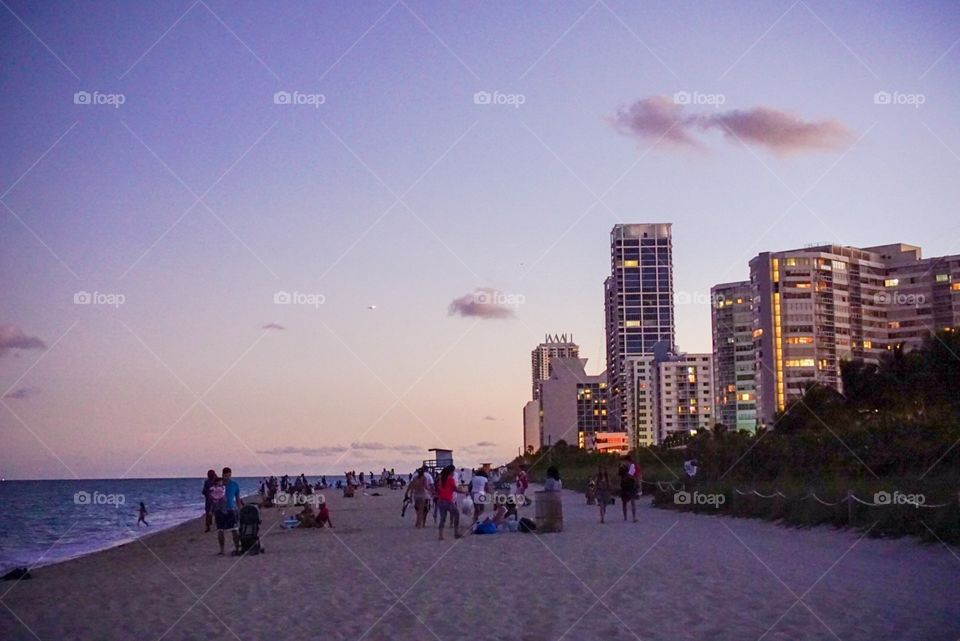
<point x="671" y="576"/>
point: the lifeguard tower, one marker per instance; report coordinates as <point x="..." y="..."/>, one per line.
<point x="441" y="459"/>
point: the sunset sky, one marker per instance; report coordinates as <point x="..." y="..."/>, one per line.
<point x="388" y="202"/>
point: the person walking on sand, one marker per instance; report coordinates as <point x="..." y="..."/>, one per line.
<point x="225" y="511"/>
<point x="523" y="480"/>
<point x="446" y="491"/>
<point x="207" y="503"/>
<point x="478" y="490"/>
<point x="417" y="490"/>
<point x="603" y="492"/>
<point x="143" y="515"/>
<point x="628" y="486"/>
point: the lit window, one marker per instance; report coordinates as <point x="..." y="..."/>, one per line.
<point x="757" y="333"/>
<point x="631" y="263"/>
<point x="894" y="324"/>
<point x="955" y="287"/>
<point x="891" y="282"/>
<point x="802" y="285"/>
<point x="943" y="278"/>
<point x="867" y="344"/>
<point x="632" y="323"/>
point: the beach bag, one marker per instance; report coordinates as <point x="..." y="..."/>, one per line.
<point x="527" y="525"/>
<point x="487" y="527"/>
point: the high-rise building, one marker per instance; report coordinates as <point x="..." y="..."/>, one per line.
<point x="571" y="405"/>
<point x="735" y="395"/>
<point x="556" y="346"/>
<point x="817" y="307"/>
<point x="638" y="301"/>
<point x="685" y="394"/>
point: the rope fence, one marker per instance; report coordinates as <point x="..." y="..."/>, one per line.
<point x="887" y="499"/>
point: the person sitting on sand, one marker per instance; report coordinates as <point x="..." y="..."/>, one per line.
<point x="307" y="517"/>
<point x="553" y="482"/>
<point x="323" y="516"/>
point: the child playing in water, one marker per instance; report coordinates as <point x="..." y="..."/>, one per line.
<point x="143" y="515"/>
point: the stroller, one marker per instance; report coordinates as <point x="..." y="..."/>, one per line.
<point x="250" y="530"/>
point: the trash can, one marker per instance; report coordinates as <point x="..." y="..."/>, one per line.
<point x="549" y="511"/>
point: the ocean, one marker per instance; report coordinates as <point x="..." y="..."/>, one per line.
<point x="43" y="522"/>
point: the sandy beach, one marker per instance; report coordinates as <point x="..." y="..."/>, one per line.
<point x="670" y="576"/>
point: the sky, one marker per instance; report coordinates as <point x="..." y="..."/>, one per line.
<point x="313" y="237"/>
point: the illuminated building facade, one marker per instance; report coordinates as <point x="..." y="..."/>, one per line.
<point x="735" y="394"/>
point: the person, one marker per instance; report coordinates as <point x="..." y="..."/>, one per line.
<point x="143" y="515"/>
<point x="478" y="492"/>
<point x="225" y="512"/>
<point x="207" y="503"/>
<point x="307" y="517"/>
<point x="553" y="482"/>
<point x="603" y="492"/>
<point x="418" y="491"/>
<point x="446" y="491"/>
<point x="323" y="516"/>
<point x="628" y="486"/>
<point x="523" y="481"/>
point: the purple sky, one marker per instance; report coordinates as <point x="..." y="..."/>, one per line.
<point x="427" y="242"/>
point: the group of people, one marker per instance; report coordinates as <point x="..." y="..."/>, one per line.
<point x="630" y="476"/>
<point x="222" y="503"/>
<point x="444" y="495"/>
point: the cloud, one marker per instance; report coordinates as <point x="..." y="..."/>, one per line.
<point x="276" y="326"/>
<point x="490" y="418"/>
<point x="405" y="449"/>
<point x="485" y="302"/>
<point x="327" y="450"/>
<point x="22" y="393"/>
<point x="12" y="337"/>
<point x="659" y="118"/>
<point x="485" y="444"/>
<point x="655" y="118"/>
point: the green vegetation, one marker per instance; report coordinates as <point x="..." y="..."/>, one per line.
<point x="896" y="429"/>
